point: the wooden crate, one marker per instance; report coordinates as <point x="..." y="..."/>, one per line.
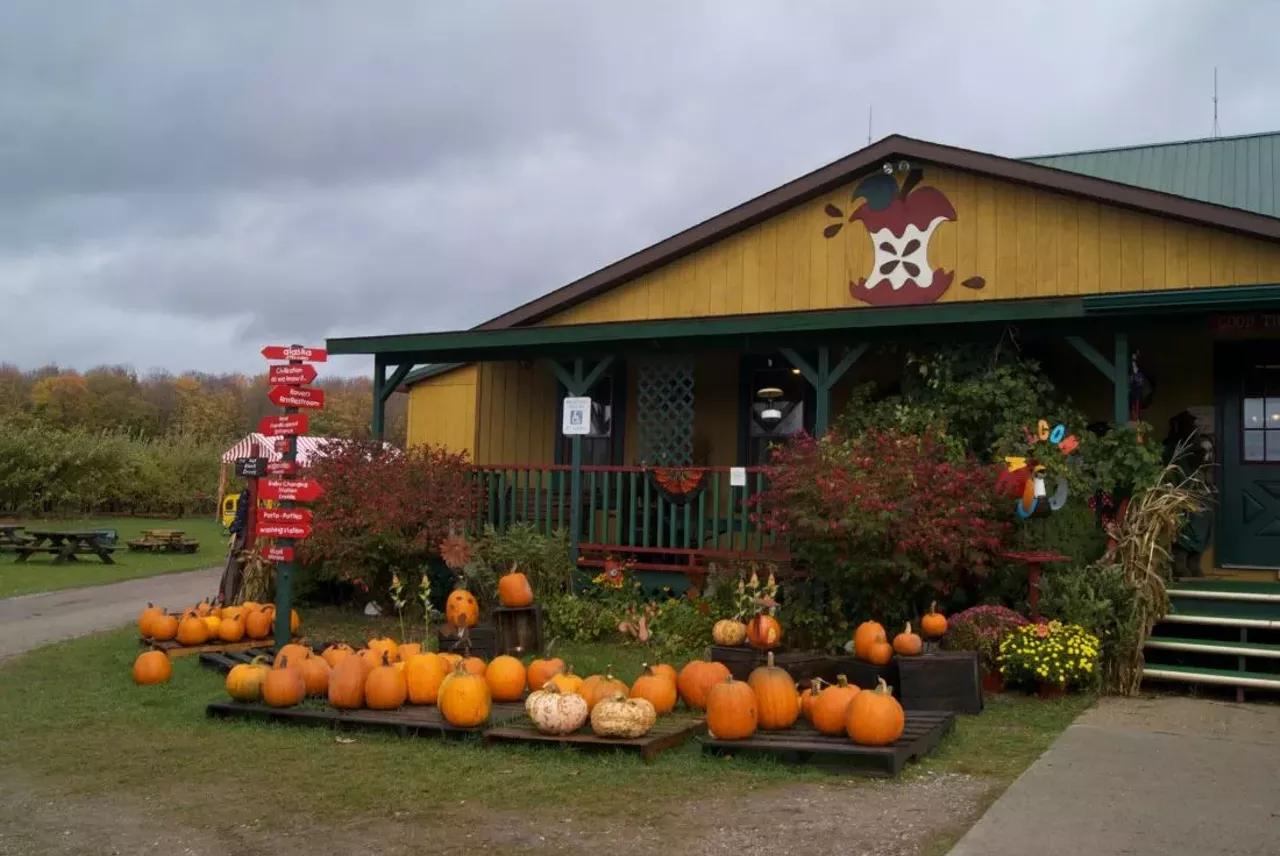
<point x="518" y="631"/>
<point x="667" y="733"/>
<point x="862" y="674"/>
<point x="173" y="649"/>
<point x="801" y="665"/>
<point x="407" y="721"/>
<point x="803" y="744"/>
<point x="941" y="680"/>
<point x="481" y="639"/>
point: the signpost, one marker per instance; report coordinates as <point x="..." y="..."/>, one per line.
<point x="286" y="522"/>
<point x="251" y="468"/>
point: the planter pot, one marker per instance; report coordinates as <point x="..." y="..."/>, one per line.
<point x="992" y="681"/>
<point x="1045" y="690"/>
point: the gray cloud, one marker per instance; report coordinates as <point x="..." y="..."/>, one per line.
<point x="180" y="183"/>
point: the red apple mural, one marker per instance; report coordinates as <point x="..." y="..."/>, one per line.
<point x="900" y="221"/>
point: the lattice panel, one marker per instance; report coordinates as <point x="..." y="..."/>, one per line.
<point x="664" y="400"/>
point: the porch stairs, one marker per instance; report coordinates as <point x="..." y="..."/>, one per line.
<point x="1218" y="634"/>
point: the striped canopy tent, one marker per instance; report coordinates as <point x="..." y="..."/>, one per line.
<point x="262" y="446"/>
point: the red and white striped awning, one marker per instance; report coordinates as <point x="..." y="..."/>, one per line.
<point x="262" y="446"/>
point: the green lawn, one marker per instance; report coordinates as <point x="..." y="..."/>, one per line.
<point x="76" y="728"/>
<point x="39" y="573"/>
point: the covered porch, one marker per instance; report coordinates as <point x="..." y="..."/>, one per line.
<point x="682" y="411"/>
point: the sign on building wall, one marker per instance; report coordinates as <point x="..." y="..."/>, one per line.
<point x="577" y="416"/>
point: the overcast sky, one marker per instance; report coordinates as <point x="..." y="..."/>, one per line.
<point x="183" y="182"/>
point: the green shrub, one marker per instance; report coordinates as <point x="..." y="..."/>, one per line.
<point x="579" y="619"/>
<point x="1100" y="599"/>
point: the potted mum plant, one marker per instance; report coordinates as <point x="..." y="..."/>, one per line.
<point x="1052" y="657"/>
<point x="981" y="629"/>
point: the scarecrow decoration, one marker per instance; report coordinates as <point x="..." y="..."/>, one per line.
<point x="1023" y="479"/>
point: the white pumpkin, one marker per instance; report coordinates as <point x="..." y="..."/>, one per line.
<point x="729" y="632"/>
<point x="623" y="717"/>
<point x="555" y="712"/>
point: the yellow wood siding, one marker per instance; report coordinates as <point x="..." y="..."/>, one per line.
<point x="442" y="410"/>
<point x="516" y="411"/>
<point x="1024" y="242"/>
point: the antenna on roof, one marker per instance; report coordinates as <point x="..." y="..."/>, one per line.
<point x="1215" y="101"/>
<point x="870" y="108"/>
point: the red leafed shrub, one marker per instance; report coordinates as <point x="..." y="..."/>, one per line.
<point x="889" y="521"/>
<point x="385" y="510"/>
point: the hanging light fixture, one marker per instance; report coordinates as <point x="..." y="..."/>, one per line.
<point x="770" y="414"/>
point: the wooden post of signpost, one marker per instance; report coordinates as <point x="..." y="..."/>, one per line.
<point x="288" y="524"/>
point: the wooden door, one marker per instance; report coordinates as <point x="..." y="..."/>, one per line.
<point x="1248" y="388"/>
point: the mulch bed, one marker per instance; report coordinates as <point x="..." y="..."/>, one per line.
<point x="802" y="744"/>
<point x="667" y="733"/>
<point x="407" y="721"/>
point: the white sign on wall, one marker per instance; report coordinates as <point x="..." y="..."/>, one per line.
<point x="737" y="476"/>
<point x="577" y="416"/>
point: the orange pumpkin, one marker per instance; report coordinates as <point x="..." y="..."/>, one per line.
<point x="257" y="624"/>
<point x="668" y="670"/>
<point x="906" y="643"/>
<point x="451" y="658"/>
<point x="152" y="667"/>
<point x="164" y="628"/>
<point x="475" y="666"/>
<point x="212" y="623"/>
<point x="407" y="651"/>
<point x="372" y="659"/>
<point x="462" y="609"/>
<point x="764" y="632"/>
<point x="656" y="688"/>
<point x="336" y="653"/>
<point x="284" y="686"/>
<point x="828" y="713"/>
<point x="315" y="675"/>
<point x="295" y="621"/>
<point x="231" y="629"/>
<point x="423" y="675"/>
<point x="808" y="698"/>
<point x="346" y="683"/>
<point x="514" y="590"/>
<point x="244" y="681"/>
<point x="775" y="690"/>
<point x="696" y="680"/>
<point x="251" y="606"/>
<point x="865" y="636"/>
<point x="505" y="676"/>
<point x="541" y="671"/>
<point x="567" y="681"/>
<point x="881" y="652"/>
<point x="385" y="688"/>
<point x="875" y="718"/>
<point x="731" y="710"/>
<point x="598" y="688"/>
<point x="192" y="631"/>
<point x="232" y="612"/>
<point x="295" y="652"/>
<point x="150" y="614"/>
<point x="384" y="645"/>
<point x="203" y="608"/>
<point x="464" y="699"/>
<point x="934" y="623"/>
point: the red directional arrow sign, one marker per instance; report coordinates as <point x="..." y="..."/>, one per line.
<point x="297" y="490"/>
<point x="296" y="396"/>
<point x="282" y="468"/>
<point x="277" y="554"/>
<point x="291" y="375"/>
<point x="282" y="445"/>
<point x="286" y="515"/>
<point x="288" y="352"/>
<point x="284" y="530"/>
<point x="290" y="425"/>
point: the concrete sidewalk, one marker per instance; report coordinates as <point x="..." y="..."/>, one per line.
<point x="37" y="619"/>
<point x="1161" y="775"/>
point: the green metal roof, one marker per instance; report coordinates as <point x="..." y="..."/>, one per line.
<point x="1237" y="172"/>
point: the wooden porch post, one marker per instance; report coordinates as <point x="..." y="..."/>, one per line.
<point x="823" y="379"/>
<point x="577" y="384"/>
<point x="1116" y="370"/>
<point x="383" y="388"/>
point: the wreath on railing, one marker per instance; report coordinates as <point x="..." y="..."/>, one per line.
<point x="678" y="485"/>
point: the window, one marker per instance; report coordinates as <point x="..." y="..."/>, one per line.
<point x="1261" y="416"/>
<point x="602" y="447"/>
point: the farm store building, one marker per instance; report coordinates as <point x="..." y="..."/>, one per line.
<point x="698" y="351"/>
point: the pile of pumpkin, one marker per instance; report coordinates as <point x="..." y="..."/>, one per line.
<point x="198" y="625"/>
<point x="871" y="643"/>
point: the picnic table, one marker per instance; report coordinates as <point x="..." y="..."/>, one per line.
<point x="65" y="546"/>
<point x="164" y="541"/>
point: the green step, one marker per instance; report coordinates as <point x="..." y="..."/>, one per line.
<point x="1213" y="646"/>
<point x="1225" y="586"/>
<point x="1218" y="677"/>
<point x="1216" y="607"/>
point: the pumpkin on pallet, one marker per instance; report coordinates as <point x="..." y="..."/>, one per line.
<point x="600" y="687"/>
<point x="554" y="711"/>
<point x="423" y="675"/>
<point x="506" y="678"/>
<point x="874" y="717"/>
<point x="284" y="685"/>
<point x="656" y="687"/>
<point x="146" y="620"/>
<point x="777" y="704"/>
<point x="464" y="700"/>
<point x="696" y="680"/>
<point x="385" y="687"/>
<point x="829" y="713"/>
<point x="621" y="717"/>
<point x="542" y="670"/>
<point x="245" y="680"/>
<point x="731" y="710"/>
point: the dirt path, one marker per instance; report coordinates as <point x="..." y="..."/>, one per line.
<point x="835" y="819"/>
<point x="33" y="620"/>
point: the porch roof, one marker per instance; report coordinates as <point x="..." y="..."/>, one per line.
<point x="783" y="328"/>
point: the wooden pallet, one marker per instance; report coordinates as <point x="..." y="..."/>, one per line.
<point x="407" y="721"/>
<point x="224" y="661"/>
<point x="668" y="733"/>
<point x="173" y="649"/>
<point x="802" y="744"/>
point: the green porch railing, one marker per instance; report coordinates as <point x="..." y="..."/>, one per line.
<point x="625" y="511"/>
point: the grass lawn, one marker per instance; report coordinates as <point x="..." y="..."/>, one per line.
<point x="40" y="574"/>
<point x="78" y="732"/>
